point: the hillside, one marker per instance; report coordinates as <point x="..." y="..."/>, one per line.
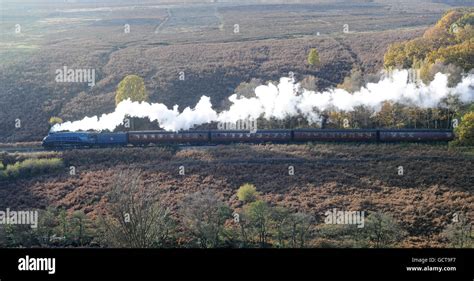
<point x="238" y="195"/>
<point x="164" y="41"/>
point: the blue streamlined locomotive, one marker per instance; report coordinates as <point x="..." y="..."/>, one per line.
<point x="144" y="138"/>
<point x="84" y="139"/>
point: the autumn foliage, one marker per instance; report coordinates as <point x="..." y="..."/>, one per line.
<point x="450" y="41"/>
<point x="465" y="131"/>
<point x="131" y="87"/>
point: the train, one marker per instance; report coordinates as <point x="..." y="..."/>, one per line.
<point x="61" y="140"/>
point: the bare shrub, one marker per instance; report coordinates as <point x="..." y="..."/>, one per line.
<point x="136" y="219"/>
<point x="460" y="234"/>
<point x="204" y="215"/>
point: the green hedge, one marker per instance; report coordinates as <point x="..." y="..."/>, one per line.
<point x="31" y="167"/>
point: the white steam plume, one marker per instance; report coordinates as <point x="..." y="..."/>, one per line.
<point x="283" y="100"/>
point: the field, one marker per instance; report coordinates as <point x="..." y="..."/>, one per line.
<point x="436" y="183"/>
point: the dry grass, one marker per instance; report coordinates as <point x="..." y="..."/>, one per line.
<point x="437" y="182"/>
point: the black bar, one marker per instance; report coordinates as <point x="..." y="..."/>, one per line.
<point x="239" y="264"/>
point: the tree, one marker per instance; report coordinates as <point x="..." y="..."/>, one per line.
<point x="381" y="230"/>
<point x="416" y="50"/>
<point x="293" y="228"/>
<point x="55" y="120"/>
<point x="313" y="58"/>
<point x="131" y="87"/>
<point x="391" y="115"/>
<point x="449" y="41"/>
<point x="440" y="33"/>
<point x="247" y="89"/>
<point x="259" y="215"/>
<point x="247" y="193"/>
<point x="341" y="236"/>
<point x="466" y="19"/>
<point x="49" y="231"/>
<point x="461" y="54"/>
<point x="395" y="57"/>
<point x="465" y="130"/>
<point x="460" y="233"/>
<point x="204" y="215"/>
<point x="80" y="228"/>
<point x="429" y="70"/>
<point x="465" y="33"/>
<point x="243" y="90"/>
<point x="281" y="226"/>
<point x="353" y="82"/>
<point x="310" y="83"/>
<point x="136" y="219"/>
<point x="362" y="117"/>
<point x="300" y="224"/>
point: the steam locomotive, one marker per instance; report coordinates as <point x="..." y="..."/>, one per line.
<point x="62" y="140"/>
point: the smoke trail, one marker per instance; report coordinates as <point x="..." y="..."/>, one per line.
<point x="286" y="99"/>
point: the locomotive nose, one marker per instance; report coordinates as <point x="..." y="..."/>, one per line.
<point x="44" y="140"/>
